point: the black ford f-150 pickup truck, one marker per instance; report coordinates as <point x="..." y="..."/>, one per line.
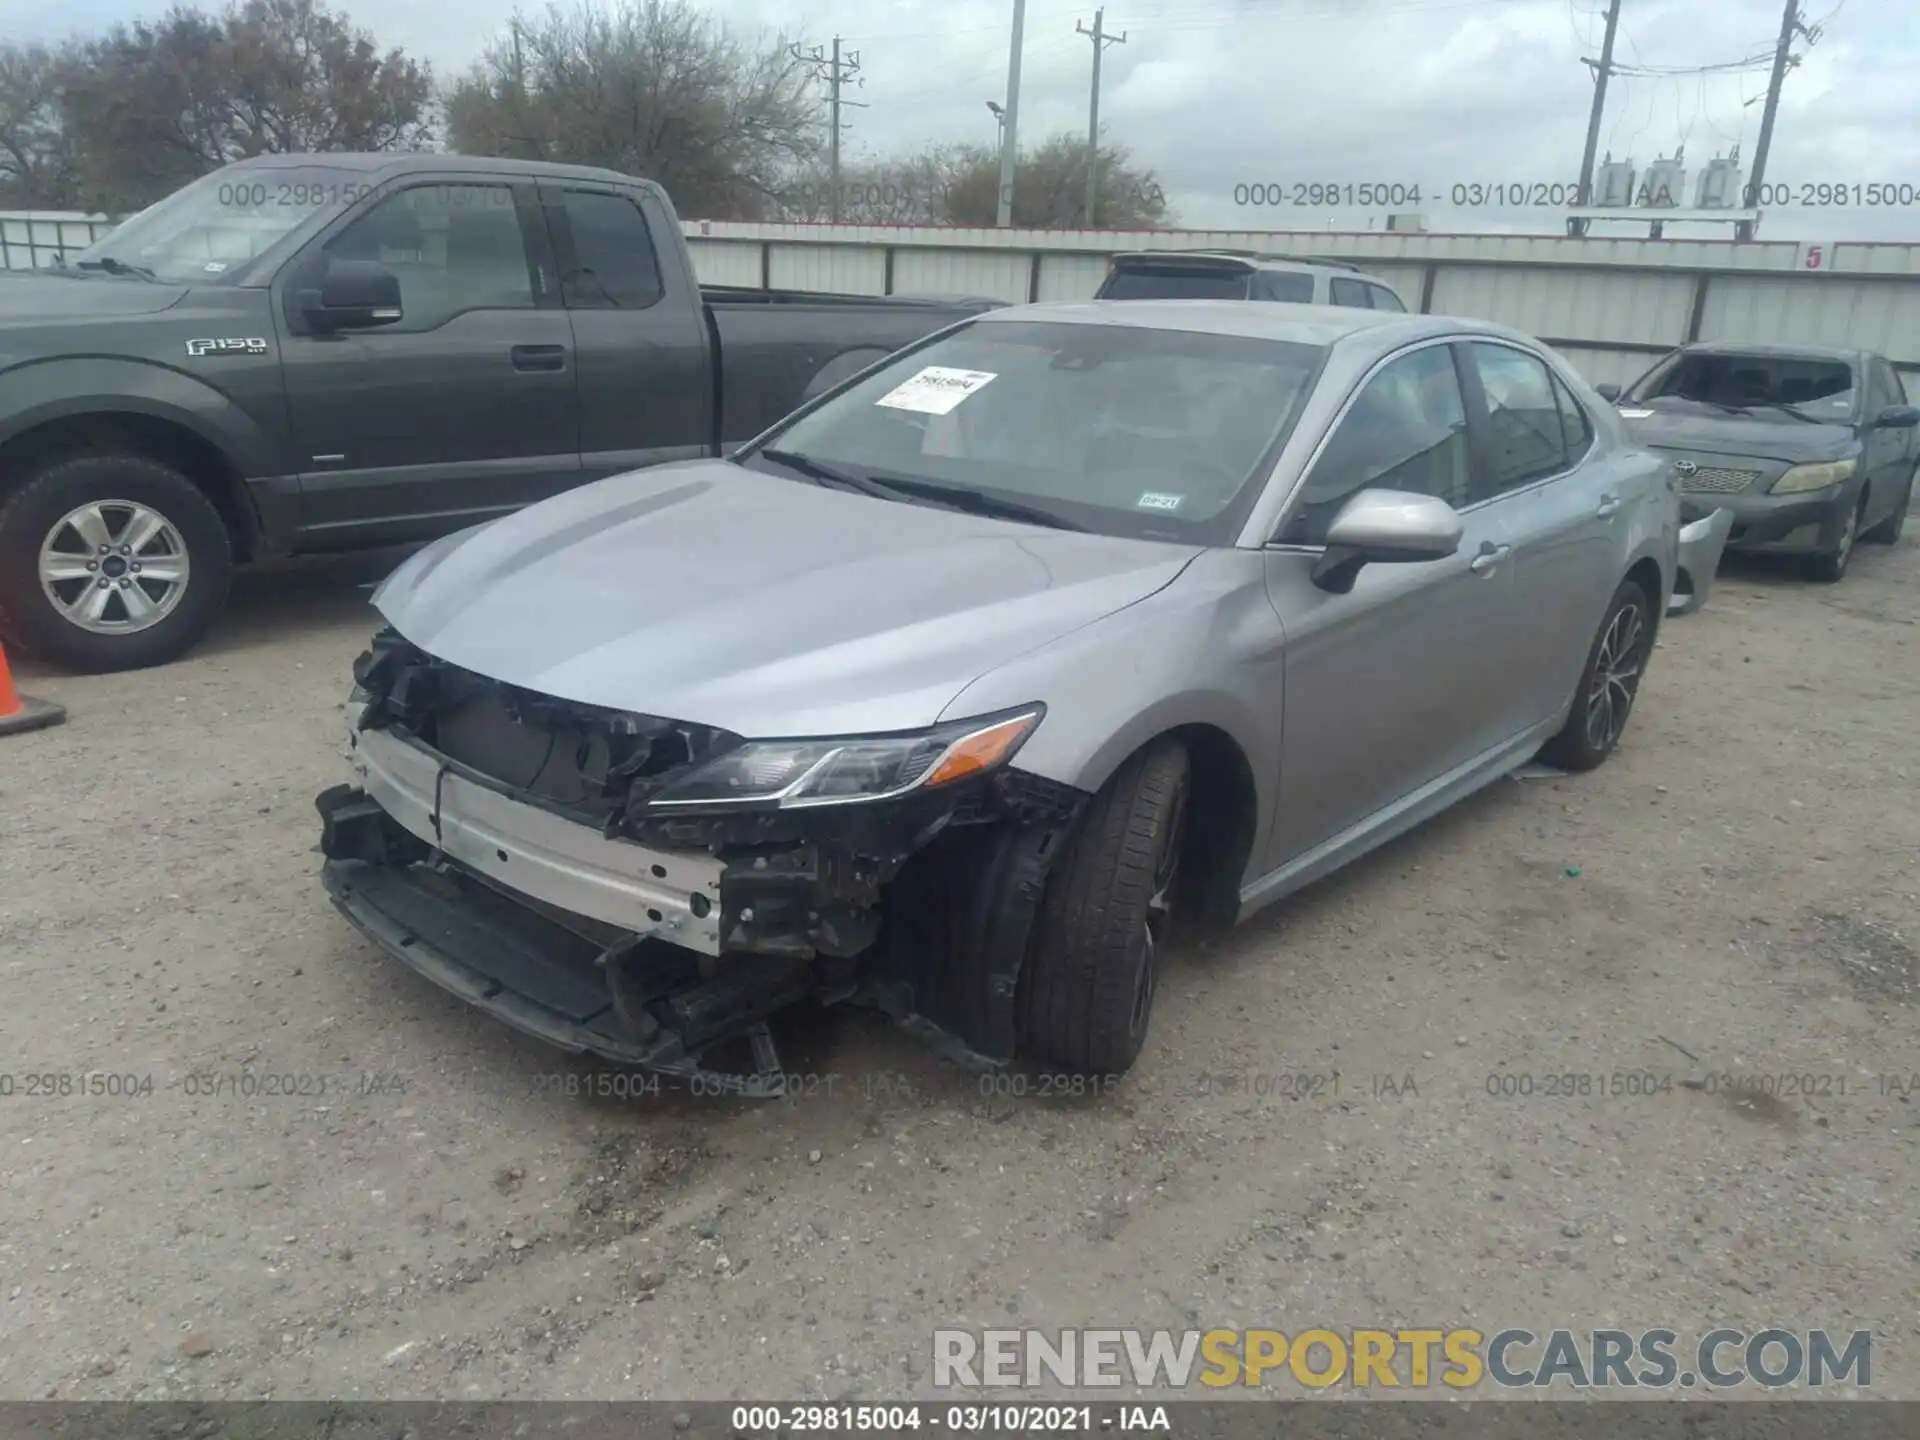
<point x="307" y="353"/>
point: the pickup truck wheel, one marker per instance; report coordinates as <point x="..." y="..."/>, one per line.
<point x="1094" y="967"/>
<point x="111" y="562"/>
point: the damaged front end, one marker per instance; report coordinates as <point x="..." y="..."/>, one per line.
<point x="652" y="891"/>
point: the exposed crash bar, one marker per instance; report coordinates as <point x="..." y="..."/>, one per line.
<point x="675" y="896"/>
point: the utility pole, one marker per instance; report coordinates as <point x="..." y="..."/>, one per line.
<point x="1010" y="139"/>
<point x="1100" y="43"/>
<point x="836" y="71"/>
<point x="1600" y="73"/>
<point x="1789" y="26"/>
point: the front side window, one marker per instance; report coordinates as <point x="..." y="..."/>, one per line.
<point x="1576" y="427"/>
<point x="1385" y="299"/>
<point x="1406" y="430"/>
<point x="1126" y="430"/>
<point x="453" y="247"/>
<point x="206" y="233"/>
<point x="1524" y="425"/>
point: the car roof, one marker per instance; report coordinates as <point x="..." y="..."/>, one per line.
<point x="409" y="161"/>
<point x="1249" y="259"/>
<point x="1320" y="325"/>
<point x="1784" y="352"/>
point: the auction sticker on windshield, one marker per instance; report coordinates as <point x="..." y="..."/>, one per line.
<point x="935" y="390"/>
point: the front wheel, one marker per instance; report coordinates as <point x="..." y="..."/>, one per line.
<point x="1887" y="532"/>
<point x="111" y="562"/>
<point x="1609" y="683"/>
<point x="1094" y="968"/>
<point x="1830" y="566"/>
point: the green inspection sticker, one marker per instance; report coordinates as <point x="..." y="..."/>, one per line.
<point x="1154" y="500"/>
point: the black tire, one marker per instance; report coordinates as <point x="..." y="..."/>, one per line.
<point x="1830" y="566"/>
<point x="31" y="514"/>
<point x="1583" y="744"/>
<point x="1887" y="532"/>
<point x="1088" y="990"/>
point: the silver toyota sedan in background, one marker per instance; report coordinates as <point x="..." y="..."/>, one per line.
<point x="947" y="692"/>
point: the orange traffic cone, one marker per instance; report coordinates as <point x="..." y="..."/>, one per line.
<point x="22" y="712"/>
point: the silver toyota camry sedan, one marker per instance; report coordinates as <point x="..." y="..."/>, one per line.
<point x="949" y="692"/>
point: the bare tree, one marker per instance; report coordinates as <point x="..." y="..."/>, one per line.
<point x="1050" y="188"/>
<point x="37" y="168"/>
<point x="647" y="87"/>
<point x="150" y="106"/>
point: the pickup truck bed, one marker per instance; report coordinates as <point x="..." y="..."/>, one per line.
<point x="394" y="347"/>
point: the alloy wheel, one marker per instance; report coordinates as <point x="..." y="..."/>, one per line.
<point x="114" y="567"/>
<point x="1616" y="676"/>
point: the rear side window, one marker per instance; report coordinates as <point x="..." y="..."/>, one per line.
<point x="1353" y="293"/>
<point x="1523" y="420"/>
<point x="1175" y="282"/>
<point x="1289" y="286"/>
<point x="1385" y="299"/>
<point x="614" y="264"/>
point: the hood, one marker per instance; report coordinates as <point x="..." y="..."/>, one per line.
<point x="1703" y="430"/>
<point x="706" y="592"/>
<point x="35" y="295"/>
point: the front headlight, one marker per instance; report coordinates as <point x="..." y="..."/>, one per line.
<point x="797" y="773"/>
<point x="1802" y="478"/>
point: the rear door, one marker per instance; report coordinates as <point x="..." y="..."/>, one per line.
<point x="1394" y="684"/>
<point x="645" y="361"/>
<point x="1532" y="444"/>
<point x="463" y="409"/>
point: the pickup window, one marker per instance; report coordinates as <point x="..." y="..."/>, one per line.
<point x="614" y="262"/>
<point x="454" y="248"/>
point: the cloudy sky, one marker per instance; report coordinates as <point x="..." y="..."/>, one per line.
<point x="1220" y="94"/>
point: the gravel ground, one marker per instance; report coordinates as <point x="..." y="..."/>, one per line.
<point x="1733" y="895"/>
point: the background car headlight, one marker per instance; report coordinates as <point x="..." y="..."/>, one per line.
<point x="1812" y="477"/>
<point x="797" y="773"/>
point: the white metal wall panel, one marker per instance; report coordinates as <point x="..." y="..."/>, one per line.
<point x="1832" y="310"/>
<point x="1071" y="277"/>
<point x="989" y="272"/>
<point x="1601" y="367"/>
<point x="1634" y="306"/>
<point x="843" y="269"/>
<point x="725" y="262"/>
<point x="32" y="238"/>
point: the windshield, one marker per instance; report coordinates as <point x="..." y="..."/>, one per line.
<point x="1177" y="282"/>
<point x="1731" y="381"/>
<point x="211" y="229"/>
<point x="1121" y="429"/>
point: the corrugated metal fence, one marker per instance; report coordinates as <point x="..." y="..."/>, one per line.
<point x="1610" y="305"/>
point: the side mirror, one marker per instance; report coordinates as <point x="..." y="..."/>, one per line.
<point x="1897" y="417"/>
<point x="1608" y="392"/>
<point x="353" y="295"/>
<point x="1385" y="527"/>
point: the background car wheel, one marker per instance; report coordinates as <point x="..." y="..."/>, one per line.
<point x="1887" y="532"/>
<point x="111" y="562"/>
<point x="1091" y="976"/>
<point x="1608" y="684"/>
<point x="1832" y="565"/>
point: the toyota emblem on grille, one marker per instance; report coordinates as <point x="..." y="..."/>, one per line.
<point x="1685" y="467"/>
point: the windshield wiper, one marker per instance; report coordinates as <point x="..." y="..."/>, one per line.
<point x="115" y="267"/>
<point x="1790" y="409"/>
<point x="829" y="475"/>
<point x="978" y="502"/>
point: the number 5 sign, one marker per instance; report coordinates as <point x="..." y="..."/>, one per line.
<point x="1814" y="255"/>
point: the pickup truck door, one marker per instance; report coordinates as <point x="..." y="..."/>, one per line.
<point x="645" y="360"/>
<point x="464" y="409"/>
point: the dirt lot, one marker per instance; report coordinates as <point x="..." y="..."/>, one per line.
<point x="1726" y="898"/>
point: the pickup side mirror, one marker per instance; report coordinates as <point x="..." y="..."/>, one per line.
<point x="1608" y="392"/>
<point x="1897" y="417"/>
<point x="1385" y="527"/>
<point x="352" y="295"/>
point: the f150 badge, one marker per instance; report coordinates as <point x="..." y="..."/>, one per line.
<point x="198" y="348"/>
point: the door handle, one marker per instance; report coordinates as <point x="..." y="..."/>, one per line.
<point x="1489" y="558"/>
<point x="1609" y="507"/>
<point x="539" y="357"/>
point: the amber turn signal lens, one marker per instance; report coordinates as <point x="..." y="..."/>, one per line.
<point x="982" y="750"/>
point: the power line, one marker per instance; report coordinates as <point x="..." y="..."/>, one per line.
<point x="1101" y="40"/>
<point x="836" y="72"/>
